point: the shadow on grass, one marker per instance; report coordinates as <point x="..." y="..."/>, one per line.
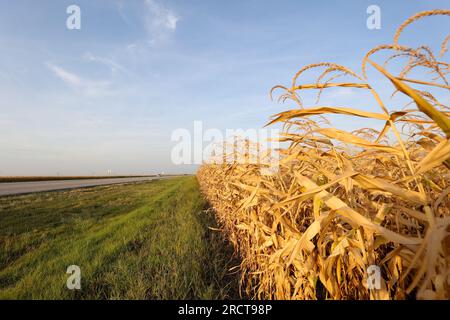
<point x="221" y="259"/>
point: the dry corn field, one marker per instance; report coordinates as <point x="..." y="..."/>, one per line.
<point x="342" y="201"/>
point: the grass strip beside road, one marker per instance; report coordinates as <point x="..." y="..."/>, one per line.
<point x="140" y="241"/>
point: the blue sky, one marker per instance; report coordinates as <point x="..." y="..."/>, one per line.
<point x="109" y="95"/>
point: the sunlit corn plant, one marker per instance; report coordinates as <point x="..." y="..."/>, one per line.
<point x="342" y="201"/>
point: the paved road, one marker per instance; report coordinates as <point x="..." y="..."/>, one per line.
<point x="12" y="188"/>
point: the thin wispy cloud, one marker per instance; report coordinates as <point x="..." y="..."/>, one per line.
<point x="82" y="85"/>
<point x="160" y="22"/>
<point x="159" y="17"/>
<point x="66" y="76"/>
<point x="157" y="20"/>
<point x="111" y="64"/>
<point x="120" y="5"/>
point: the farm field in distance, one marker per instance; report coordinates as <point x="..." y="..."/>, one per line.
<point x="56" y="178"/>
<point x="147" y="240"/>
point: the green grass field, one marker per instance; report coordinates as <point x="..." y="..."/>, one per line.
<point x="138" y="241"/>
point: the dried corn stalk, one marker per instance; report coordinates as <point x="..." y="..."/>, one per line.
<point x="342" y="201"/>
